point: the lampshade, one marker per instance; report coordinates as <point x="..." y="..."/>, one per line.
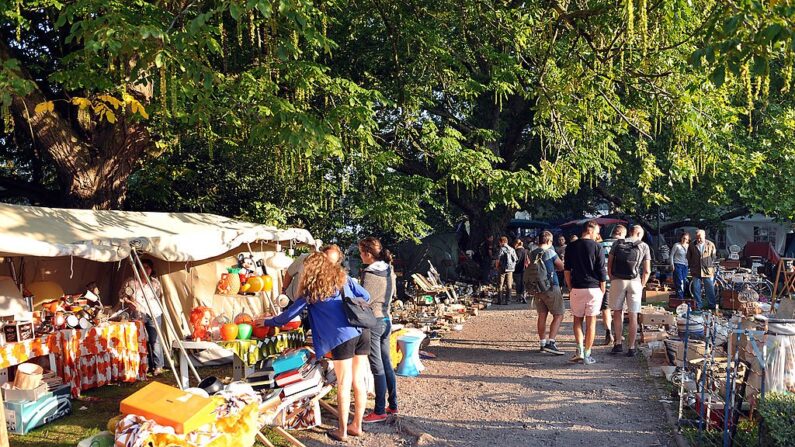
<point x="279" y="261"/>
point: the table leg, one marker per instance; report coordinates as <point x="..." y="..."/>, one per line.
<point x="238" y="368"/>
<point x="183" y="369"/>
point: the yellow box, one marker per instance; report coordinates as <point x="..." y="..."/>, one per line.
<point x="170" y="407"/>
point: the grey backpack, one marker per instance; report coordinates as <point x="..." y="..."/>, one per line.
<point x="536" y="276"/>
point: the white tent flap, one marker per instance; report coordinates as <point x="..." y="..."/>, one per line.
<point x="107" y="236"/>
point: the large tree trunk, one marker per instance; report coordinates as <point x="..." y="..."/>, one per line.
<point x="92" y="165"/>
<point x="483" y="223"/>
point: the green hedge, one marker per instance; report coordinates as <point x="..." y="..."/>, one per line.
<point x="778" y="419"/>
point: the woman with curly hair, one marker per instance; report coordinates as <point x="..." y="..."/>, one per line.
<point x="321" y="291"/>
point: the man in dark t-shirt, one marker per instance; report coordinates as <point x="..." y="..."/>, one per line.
<point x="586" y="277"/>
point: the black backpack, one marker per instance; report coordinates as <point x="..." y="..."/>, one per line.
<point x="626" y="259"/>
<point x="536" y="276"/>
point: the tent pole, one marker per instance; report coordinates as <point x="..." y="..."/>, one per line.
<point x="166" y="353"/>
<point x="168" y="322"/>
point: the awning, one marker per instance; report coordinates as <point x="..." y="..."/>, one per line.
<point x="107" y="236"/>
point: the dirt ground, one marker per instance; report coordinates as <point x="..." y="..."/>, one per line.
<point x="490" y="386"/>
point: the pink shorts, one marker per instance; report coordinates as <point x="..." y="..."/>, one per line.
<point x="585" y="302"/>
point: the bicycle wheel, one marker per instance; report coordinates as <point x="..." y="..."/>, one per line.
<point x="765" y="290"/>
<point x="691" y="288"/>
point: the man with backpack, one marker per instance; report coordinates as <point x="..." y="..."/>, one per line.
<point x="506" y="264"/>
<point x="629" y="268"/>
<point x="541" y="280"/>
<point x="586" y="277"/>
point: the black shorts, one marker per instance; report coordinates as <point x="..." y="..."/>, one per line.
<point x="604" y="300"/>
<point x="356" y="346"/>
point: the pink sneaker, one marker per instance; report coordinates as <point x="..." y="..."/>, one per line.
<point x="372" y="418"/>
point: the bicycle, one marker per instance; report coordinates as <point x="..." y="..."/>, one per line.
<point x="738" y="280"/>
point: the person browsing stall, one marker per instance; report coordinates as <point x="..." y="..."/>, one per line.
<point x="320" y="291"/>
<point x="542" y="263"/>
<point x="586" y="277"/>
<point x="506" y="264"/>
<point x="701" y="256"/>
<point x="679" y="264"/>
<point x="629" y="268"/>
<point x="144" y="302"/>
<point x="380" y="281"/>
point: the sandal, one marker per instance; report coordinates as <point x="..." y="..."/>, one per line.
<point x="333" y="435"/>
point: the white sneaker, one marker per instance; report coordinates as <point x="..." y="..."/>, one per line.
<point x="589" y="360"/>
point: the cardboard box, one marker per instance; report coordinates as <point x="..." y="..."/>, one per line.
<point x="656" y="296"/>
<point x="650" y="336"/>
<point x="657" y="319"/>
<point x="24" y="416"/>
<point x="18" y="331"/>
<point x="695" y="350"/>
<point x="13" y="394"/>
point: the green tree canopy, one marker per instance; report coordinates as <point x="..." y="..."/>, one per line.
<point x="395" y="116"/>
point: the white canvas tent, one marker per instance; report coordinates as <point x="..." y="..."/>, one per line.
<point x="75" y="247"/>
<point x="757" y="228"/>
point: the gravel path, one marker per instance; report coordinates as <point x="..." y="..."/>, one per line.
<point x="491" y="386"/>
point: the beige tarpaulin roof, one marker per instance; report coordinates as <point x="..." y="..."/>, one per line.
<point x="108" y="236"/>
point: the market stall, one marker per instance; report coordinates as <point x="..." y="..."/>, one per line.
<point x="61" y="272"/>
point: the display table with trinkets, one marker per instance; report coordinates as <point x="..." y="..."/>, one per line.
<point x="247" y="353"/>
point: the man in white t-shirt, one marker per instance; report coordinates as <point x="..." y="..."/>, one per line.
<point x="629" y="268"/>
<point x="145" y="306"/>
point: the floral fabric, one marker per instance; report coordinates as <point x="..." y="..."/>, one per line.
<point x="16" y="353"/>
<point x="90" y="358"/>
<point x="114" y="352"/>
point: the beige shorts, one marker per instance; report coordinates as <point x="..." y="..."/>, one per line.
<point x="585" y="302"/>
<point x="626" y="290"/>
<point x="550" y="301"/>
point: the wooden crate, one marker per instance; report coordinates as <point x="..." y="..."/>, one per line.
<point x="657" y="319"/>
<point x="729" y="300"/>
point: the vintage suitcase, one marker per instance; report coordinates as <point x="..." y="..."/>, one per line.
<point x="171" y="407"/>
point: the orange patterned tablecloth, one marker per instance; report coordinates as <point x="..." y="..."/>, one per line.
<point x="16" y="353"/>
<point x="115" y="352"/>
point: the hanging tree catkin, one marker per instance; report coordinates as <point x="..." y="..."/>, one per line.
<point x="630" y="20"/>
<point x="163" y="87"/>
<point x="745" y="74"/>
<point x="644" y="26"/>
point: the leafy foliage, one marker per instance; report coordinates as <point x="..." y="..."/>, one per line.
<point x="777" y="411"/>
<point x="389" y="116"/>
